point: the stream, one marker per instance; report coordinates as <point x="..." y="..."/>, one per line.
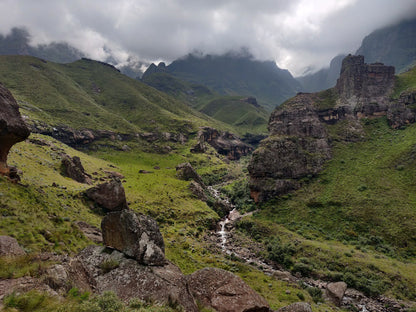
<point x="224" y="237"/>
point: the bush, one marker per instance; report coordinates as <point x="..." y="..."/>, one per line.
<point x="281" y="253"/>
<point x="109" y="265"/>
<point x="29" y="301"/>
<point x="316" y="294"/>
<point x="302" y="268"/>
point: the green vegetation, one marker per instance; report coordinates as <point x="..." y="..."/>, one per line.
<point x="93" y="95"/>
<point x="235" y="111"/>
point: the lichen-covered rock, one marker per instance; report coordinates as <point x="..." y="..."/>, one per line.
<point x="128" y="279"/>
<point x="296" y="307"/>
<point x="136" y="236"/>
<point x="72" y="167"/>
<point x="10" y="247"/>
<point x="224" y="292"/>
<point x="336" y="291"/>
<point x="197" y="190"/>
<point x="401" y="112"/>
<point x="12" y="127"/>
<point x="109" y="195"/>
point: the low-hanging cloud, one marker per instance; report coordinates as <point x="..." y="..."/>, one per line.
<point x="297" y="34"/>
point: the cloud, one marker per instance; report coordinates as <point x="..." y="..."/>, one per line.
<point x="296" y="34"/>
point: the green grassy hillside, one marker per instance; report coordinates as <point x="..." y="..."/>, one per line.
<point x="41" y="213"/>
<point x="242" y="116"/>
<point x="93" y="95"/>
<point x="356" y="220"/>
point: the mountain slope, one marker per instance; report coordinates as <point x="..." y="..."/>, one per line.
<point x="243" y="114"/>
<point x="394" y="45"/>
<point x="236" y="75"/>
<point x="92" y="95"/>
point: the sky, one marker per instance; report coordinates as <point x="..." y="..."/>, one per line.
<point x="299" y="35"/>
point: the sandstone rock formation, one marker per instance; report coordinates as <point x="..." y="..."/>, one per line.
<point x="12" y="127"/>
<point x="10" y="247"/>
<point x="109" y="195"/>
<point x="299" y="142"/>
<point x="224" y="142"/>
<point x="72" y="167"/>
<point x="296" y="148"/>
<point x="137" y="236"/>
<point x="224" y="292"/>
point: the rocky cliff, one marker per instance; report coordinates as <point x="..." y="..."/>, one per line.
<point x="299" y="142"/>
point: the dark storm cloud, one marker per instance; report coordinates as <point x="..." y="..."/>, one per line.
<point x="296" y="34"/>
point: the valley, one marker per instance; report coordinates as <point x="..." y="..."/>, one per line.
<point x="219" y="205"/>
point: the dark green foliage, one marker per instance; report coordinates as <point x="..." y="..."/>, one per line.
<point x="281" y="252"/>
<point x="315" y="293"/>
<point x="27" y="302"/>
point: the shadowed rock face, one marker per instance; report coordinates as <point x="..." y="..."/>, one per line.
<point x="137" y="236"/>
<point x="12" y="127"/>
<point x="109" y="195"/>
<point x="225" y="292"/>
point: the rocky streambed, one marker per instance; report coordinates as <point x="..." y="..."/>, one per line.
<point x="232" y="243"/>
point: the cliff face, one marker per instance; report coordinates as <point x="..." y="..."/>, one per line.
<point x="299" y="143"/>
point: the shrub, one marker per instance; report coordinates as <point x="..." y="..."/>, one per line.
<point x="281" y="253"/>
<point x="315" y="293"/>
<point x="108" y="265"/>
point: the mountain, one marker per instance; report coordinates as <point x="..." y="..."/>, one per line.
<point x="18" y="43"/>
<point x="242" y="113"/>
<point x="323" y="79"/>
<point x="232" y="74"/>
<point x="394" y="45"/>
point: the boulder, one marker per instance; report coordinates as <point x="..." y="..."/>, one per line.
<point x="224" y="292"/>
<point x="129" y="279"/>
<point x="91" y="232"/>
<point x="336" y="291"/>
<point x="10" y="247"/>
<point x="197" y="190"/>
<point x="73" y="169"/>
<point x="12" y="127"/>
<point x="137" y="236"/>
<point x="186" y="172"/>
<point x="297" y="307"/>
<point x="109" y="195"/>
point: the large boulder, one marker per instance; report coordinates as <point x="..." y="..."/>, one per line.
<point x="10" y="247"/>
<point x="224" y="292"/>
<point x="336" y="291"/>
<point x="130" y="280"/>
<point x="73" y="168"/>
<point x="12" y="127"/>
<point x="297" y="307"/>
<point x="137" y="236"/>
<point x="186" y="172"/>
<point x="109" y="195"/>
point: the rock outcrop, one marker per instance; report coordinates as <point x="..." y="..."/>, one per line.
<point x="109" y="195"/>
<point x="296" y="148"/>
<point x="10" y="247"/>
<point x="224" y="292"/>
<point x="299" y="142"/>
<point x="224" y="143"/>
<point x="12" y="127"/>
<point x="297" y="307"/>
<point x="72" y="168"/>
<point x="186" y="172"/>
<point x="137" y="236"/>
<point x="104" y="271"/>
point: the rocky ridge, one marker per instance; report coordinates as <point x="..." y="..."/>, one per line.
<point x="299" y="143"/>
